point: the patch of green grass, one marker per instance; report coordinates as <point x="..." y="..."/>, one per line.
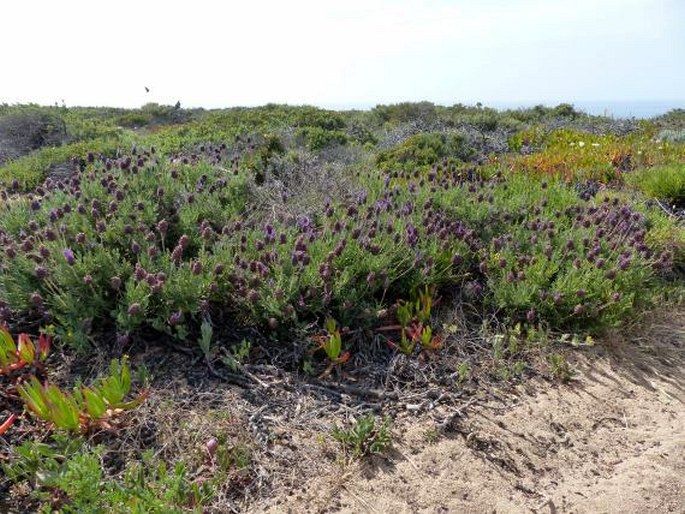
<point x="365" y="436"/>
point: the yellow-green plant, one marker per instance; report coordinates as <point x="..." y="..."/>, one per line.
<point x="332" y="343"/>
<point x="86" y="406"/>
<point x="17" y="360"/>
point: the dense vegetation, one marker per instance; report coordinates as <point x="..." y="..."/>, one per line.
<point x="296" y="224"/>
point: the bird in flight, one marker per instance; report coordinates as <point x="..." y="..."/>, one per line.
<point x="147" y="89"/>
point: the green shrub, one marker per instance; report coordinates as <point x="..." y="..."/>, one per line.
<point x="661" y="182"/>
<point x="32" y="169"/>
<point x="68" y="475"/>
<point x="423" y="150"/>
<point x="317" y="138"/>
<point x="404" y="112"/>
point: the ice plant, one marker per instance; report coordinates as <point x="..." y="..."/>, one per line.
<point x="86" y="407"/>
<point x="25" y="353"/>
<point x="331" y="343"/>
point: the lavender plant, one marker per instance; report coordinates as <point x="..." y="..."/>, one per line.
<point x="147" y="241"/>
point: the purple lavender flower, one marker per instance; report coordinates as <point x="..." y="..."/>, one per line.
<point x="162" y="227"/>
<point x="252" y="296"/>
<point x="175" y="318"/>
<point x="69" y="256"/>
<point x="115" y="282"/>
<point x="139" y="273"/>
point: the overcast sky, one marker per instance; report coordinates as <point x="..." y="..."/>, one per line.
<point x="343" y="53"/>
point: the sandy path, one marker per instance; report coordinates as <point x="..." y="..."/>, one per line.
<point x="613" y="441"/>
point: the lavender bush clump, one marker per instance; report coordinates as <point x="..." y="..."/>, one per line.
<point x="123" y="243"/>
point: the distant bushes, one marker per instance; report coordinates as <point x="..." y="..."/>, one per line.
<point x="27" y="128"/>
<point x="672" y="136"/>
<point x="423" y="149"/>
<point x="317" y="138"/>
<point x="31" y="170"/>
<point x="154" y="114"/>
<point x="405" y="112"/>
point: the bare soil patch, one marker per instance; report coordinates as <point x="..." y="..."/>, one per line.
<point x="612" y="440"/>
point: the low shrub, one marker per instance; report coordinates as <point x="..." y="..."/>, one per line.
<point x="70" y="476"/>
<point x="661" y="182"/>
<point x="423" y="150"/>
<point x="317" y="138"/>
<point x="29" y="171"/>
<point x="166" y="245"/>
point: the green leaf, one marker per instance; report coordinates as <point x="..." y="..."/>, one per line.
<point x="95" y="405"/>
<point x="27" y="351"/>
<point x="32" y="392"/>
<point x="8" y="349"/>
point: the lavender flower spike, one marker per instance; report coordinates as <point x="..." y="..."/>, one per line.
<point x="69" y="256"/>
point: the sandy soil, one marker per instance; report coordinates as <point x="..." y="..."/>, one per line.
<point x="611" y="441"/>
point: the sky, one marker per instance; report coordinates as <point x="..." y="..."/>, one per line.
<point x="349" y="53"/>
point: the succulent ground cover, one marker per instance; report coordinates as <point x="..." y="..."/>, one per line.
<point x="280" y="240"/>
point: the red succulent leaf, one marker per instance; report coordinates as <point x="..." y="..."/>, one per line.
<point x="414" y="330"/>
<point x="43" y="346"/>
<point x="12" y="367"/>
<point x="7" y="423"/>
<point x="343" y="358"/>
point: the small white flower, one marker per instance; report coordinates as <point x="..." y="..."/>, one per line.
<point x="572" y="144"/>
<point x="581" y="144"/>
<point x="595" y="144"/>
